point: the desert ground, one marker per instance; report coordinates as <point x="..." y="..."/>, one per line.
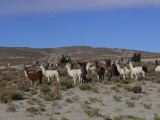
<point x="108" y="100"/>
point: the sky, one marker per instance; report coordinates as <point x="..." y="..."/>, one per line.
<point x="130" y="24"/>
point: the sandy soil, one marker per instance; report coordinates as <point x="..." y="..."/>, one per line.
<point x="74" y="102"/>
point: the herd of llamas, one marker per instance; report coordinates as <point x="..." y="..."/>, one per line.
<point x="79" y="73"/>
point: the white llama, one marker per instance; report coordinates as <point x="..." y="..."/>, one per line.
<point x="74" y="73"/>
<point x="136" y="71"/>
<point x="50" y="74"/>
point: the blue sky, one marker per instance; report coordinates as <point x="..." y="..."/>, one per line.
<point x="52" y="24"/>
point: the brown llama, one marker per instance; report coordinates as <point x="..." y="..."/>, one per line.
<point x="33" y="76"/>
<point x="100" y="72"/>
<point x="111" y="68"/>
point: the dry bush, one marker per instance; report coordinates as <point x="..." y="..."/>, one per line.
<point x="127" y="117"/>
<point x="11" y="108"/>
<point x="94" y="99"/>
<point x="88" y="87"/>
<point x="9" y="95"/>
<point x="23" y="86"/>
<point x="130" y="103"/>
<point x="91" y="112"/>
<point x="136" y="88"/>
<point x="49" y="94"/>
<point x="33" y="110"/>
<point x="147" y="106"/>
<point x="45" y="89"/>
<point x="115" y="88"/>
<point x="156" y="117"/>
<point x="66" y="83"/>
<point x="117" y="98"/>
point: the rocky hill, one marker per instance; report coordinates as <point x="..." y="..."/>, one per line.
<point x="19" y="55"/>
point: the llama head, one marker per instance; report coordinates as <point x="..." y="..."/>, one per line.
<point x="68" y="65"/>
<point x="24" y="68"/>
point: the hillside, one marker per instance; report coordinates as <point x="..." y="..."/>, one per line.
<point x="19" y="55"/>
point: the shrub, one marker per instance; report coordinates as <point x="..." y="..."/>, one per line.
<point x="17" y="95"/>
<point x="94" y="99"/>
<point x="147" y="106"/>
<point x="11" y="108"/>
<point x="91" y="112"/>
<point x="137" y="89"/>
<point x="66" y="83"/>
<point x="45" y="89"/>
<point x="156" y="117"/>
<point x="5" y="96"/>
<point x="23" y="86"/>
<point x="130" y="103"/>
<point x="33" y="110"/>
<point x="88" y="87"/>
<point x="9" y="95"/>
<point x="117" y="98"/>
<point x="127" y="117"/>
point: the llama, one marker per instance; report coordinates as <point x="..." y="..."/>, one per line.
<point x="74" y="73"/>
<point x="84" y="71"/>
<point x="123" y="71"/>
<point x="157" y="68"/>
<point x="136" y="71"/>
<point x="100" y="72"/>
<point x="91" y="68"/>
<point x="111" y="69"/>
<point x="33" y="76"/>
<point x="50" y="74"/>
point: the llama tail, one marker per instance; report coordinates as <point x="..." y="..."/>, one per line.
<point x="145" y="69"/>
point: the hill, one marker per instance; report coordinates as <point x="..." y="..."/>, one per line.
<point x="18" y="55"/>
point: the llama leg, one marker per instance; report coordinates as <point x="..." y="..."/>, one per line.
<point x="40" y="81"/>
<point x="74" y="80"/>
<point x="31" y="83"/>
<point x="49" y="80"/>
<point x="131" y="75"/>
<point x="35" y="83"/>
<point x="124" y="77"/>
<point x="136" y="76"/>
<point x="79" y="77"/>
<point x="143" y="74"/>
<point x="98" y="76"/>
<point x="57" y="79"/>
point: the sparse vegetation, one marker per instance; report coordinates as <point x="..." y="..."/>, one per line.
<point x="135" y="89"/>
<point x="33" y="110"/>
<point x="127" y="117"/>
<point x="88" y="87"/>
<point x="156" y="117"/>
<point x="117" y="98"/>
<point x="23" y="86"/>
<point x="147" y="106"/>
<point x="66" y="83"/>
<point x="9" y="95"/>
<point x="11" y="107"/>
<point x="91" y="112"/>
<point x="130" y="103"/>
<point x="94" y="99"/>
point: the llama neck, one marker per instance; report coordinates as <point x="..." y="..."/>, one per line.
<point x="43" y="70"/>
<point x="26" y="74"/>
<point x="118" y="67"/>
<point x="69" y="71"/>
<point x="130" y="65"/>
<point x="87" y="67"/>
